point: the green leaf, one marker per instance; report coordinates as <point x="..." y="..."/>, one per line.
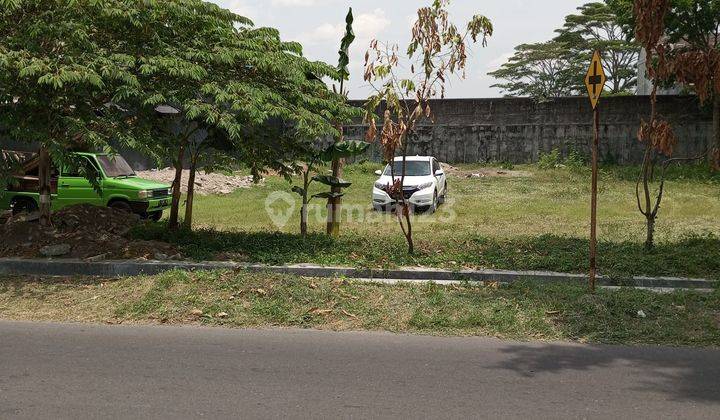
<point x="328" y="195"/>
<point x="299" y="190"/>
<point x="332" y="181"/>
<point x="345" y="47"/>
<point x="344" y="149"/>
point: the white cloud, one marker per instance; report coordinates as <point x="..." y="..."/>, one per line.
<point x="369" y="25"/>
<point x="241" y="8"/>
<point x="366" y="26"/>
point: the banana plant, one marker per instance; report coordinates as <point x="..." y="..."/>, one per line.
<point x="334" y="203"/>
<point x="340" y="150"/>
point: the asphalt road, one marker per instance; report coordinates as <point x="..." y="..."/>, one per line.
<point x="88" y="371"/>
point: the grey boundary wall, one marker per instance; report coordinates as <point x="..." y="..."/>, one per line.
<point x="519" y="130"/>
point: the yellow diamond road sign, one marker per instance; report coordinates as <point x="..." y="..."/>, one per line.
<point x="595" y="79"/>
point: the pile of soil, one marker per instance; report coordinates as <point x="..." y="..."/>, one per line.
<point x="205" y="183"/>
<point x="82" y="231"/>
<point x="455" y="172"/>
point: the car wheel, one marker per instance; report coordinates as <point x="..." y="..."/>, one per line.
<point x="155" y="216"/>
<point x="441" y="200"/>
<point x="434" y="204"/>
<point x="25" y="205"/>
<point x="121" y="205"/>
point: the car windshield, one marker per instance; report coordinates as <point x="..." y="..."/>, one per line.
<point x="115" y="166"/>
<point x="412" y="168"/>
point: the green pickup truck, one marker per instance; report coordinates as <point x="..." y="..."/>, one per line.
<point x="119" y="187"/>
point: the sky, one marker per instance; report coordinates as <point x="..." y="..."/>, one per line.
<point x="319" y="25"/>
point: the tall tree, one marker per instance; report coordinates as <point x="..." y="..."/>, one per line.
<point x="83" y="71"/>
<point x="222" y="74"/>
<point x="437" y="50"/>
<point x="597" y="28"/>
<point x="62" y="65"/>
<point x="657" y="134"/>
<point x="690" y="49"/>
<point x="543" y="70"/>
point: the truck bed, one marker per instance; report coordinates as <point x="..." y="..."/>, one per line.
<point x="26" y="160"/>
<point x="26" y="179"/>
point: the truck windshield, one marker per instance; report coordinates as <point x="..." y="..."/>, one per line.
<point x="115" y="166"/>
<point x="412" y="168"/>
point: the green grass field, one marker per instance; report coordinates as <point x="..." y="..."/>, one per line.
<point x="536" y="221"/>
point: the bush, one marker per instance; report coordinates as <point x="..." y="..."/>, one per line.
<point x="550" y="160"/>
<point x="554" y="160"/>
<point x="575" y="160"/>
<point x="508" y="166"/>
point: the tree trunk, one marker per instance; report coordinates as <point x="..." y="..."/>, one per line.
<point x="716" y="130"/>
<point x="44" y="187"/>
<point x="411" y="243"/>
<point x="303" y="217"/>
<point x="175" y="208"/>
<point x="335" y="204"/>
<point x="304" y="207"/>
<point x="406" y="210"/>
<point x="187" y="222"/>
<point x="650" y="239"/>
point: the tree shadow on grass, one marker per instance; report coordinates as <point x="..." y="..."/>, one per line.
<point x="259" y="247"/>
<point x="684" y="374"/>
<point x="694" y="256"/>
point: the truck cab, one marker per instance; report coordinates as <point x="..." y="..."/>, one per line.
<point x="117" y="186"/>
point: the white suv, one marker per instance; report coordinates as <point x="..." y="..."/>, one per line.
<point x="425" y="185"/>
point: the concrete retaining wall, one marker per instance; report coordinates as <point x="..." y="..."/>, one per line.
<point x="518" y="130"/>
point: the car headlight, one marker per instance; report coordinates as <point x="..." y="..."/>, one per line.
<point x="380" y="186"/>
<point x="425" y="185"/>
<point x="144" y="194"/>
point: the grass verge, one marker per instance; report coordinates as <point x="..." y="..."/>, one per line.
<point x="238" y="299"/>
<point x="537" y="221"/>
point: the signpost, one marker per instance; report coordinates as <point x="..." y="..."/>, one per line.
<point x="595" y="82"/>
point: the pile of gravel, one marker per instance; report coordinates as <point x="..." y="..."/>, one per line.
<point x="205" y="183"/>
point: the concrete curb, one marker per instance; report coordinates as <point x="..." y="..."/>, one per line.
<point x="69" y="267"/>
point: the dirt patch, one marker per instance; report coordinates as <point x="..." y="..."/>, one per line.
<point x="81" y="231"/>
<point x="4" y="216"/>
<point x="455" y="172"/>
<point x="205" y="183"/>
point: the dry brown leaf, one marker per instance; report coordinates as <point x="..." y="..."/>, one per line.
<point x="346" y="313"/>
<point x="318" y="311"/>
<point x="552" y="312"/>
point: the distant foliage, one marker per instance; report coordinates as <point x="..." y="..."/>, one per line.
<point x="555" y="68"/>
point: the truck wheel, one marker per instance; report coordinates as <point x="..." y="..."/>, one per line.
<point x="121" y="205"/>
<point x="20" y="205"/>
<point x="155" y="216"/>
